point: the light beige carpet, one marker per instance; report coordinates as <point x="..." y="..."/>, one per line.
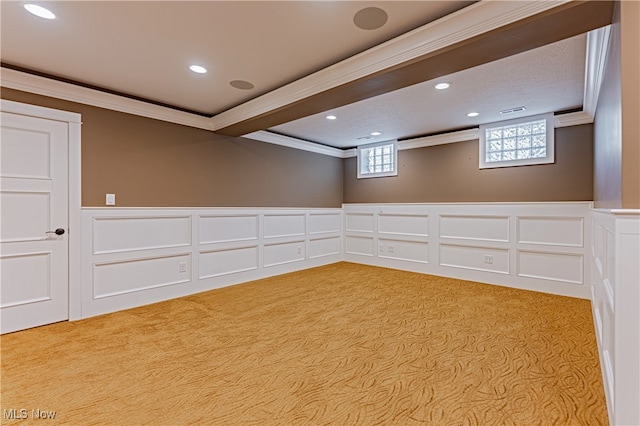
<point x="343" y="344"/>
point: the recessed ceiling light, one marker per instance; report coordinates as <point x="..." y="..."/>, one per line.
<point x="331" y="117"/>
<point x="197" y="68"/>
<point x="375" y="133"/>
<point x="442" y="86"/>
<point x="40" y="11"/>
<point x="473" y="114"/>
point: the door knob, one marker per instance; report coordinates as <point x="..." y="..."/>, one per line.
<point x="58" y="231"/>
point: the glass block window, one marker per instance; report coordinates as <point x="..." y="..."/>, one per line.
<point x="378" y="160"/>
<point x="517" y="142"/>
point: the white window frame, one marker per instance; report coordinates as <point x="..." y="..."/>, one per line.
<point x="364" y="148"/>
<point x="550" y="145"/>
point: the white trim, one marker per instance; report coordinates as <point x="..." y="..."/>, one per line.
<point x="572" y="119"/>
<point x="74" y="195"/>
<point x="291" y="142"/>
<point x="618" y="212"/>
<point x="445" y="138"/>
<point x="596" y="55"/>
<point x="469" y="22"/>
<point x="26" y="82"/>
<point x="75" y="221"/>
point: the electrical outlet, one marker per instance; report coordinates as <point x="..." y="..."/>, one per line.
<point x="488" y="259"/>
<point x="299" y="250"/>
<point x="182" y="267"/>
<point x="110" y="200"/>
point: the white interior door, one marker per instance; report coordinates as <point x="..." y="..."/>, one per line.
<point x="34" y="269"/>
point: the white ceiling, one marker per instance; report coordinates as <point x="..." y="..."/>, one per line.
<point x="143" y="49"/>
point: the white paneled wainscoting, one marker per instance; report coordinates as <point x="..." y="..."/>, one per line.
<point x="615" y="275"/>
<point x="136" y="256"/>
<point x="534" y="246"/>
<point x="132" y="257"/>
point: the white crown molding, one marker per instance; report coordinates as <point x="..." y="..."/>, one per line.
<point x="288" y="141"/>
<point x="573" y="119"/>
<point x="349" y="153"/>
<point x="469" y="22"/>
<point x="26" y="82"/>
<point x="564" y="120"/>
<point x="596" y="56"/>
<point x="445" y="138"/>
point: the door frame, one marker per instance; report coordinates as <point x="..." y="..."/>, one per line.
<point x="74" y="208"/>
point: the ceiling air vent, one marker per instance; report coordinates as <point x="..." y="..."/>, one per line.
<point x="512" y="110"/>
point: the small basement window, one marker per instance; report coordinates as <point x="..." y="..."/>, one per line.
<point x="378" y="160"/>
<point x="518" y="142"/>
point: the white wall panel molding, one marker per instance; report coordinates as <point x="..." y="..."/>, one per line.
<point x="362" y="246"/>
<point x="475" y="258"/>
<point x="551" y="266"/>
<point x="551" y="231"/>
<point x="214" y="263"/>
<point x="283" y="253"/>
<point x="414" y="251"/>
<point x="325" y="246"/>
<point x="321" y="223"/>
<point x="136" y="256"/>
<point x="359" y="222"/>
<point x="135" y="233"/>
<point x="475" y="227"/>
<point x="615" y="248"/>
<point x="134" y="275"/>
<point x="283" y="225"/>
<point x="535" y="246"/>
<point x="416" y="225"/>
<point x="222" y="228"/>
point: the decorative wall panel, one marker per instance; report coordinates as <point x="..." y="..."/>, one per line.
<point x="226" y="228"/>
<point x="134" y="233"/>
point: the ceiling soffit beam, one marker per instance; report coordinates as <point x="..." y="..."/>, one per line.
<point x="481" y="33"/>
